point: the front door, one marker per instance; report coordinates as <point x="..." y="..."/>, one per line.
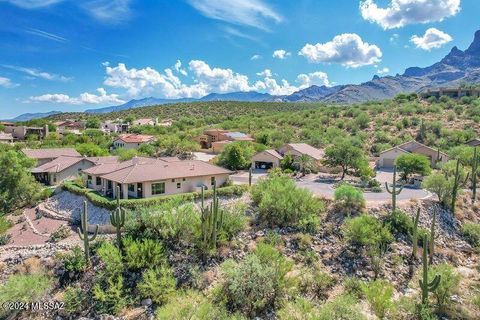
<point x="139" y="190"/>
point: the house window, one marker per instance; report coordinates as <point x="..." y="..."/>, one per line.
<point x="131" y="187"/>
<point x="184" y="179"/>
<point x="173" y="180"/>
<point x="99" y="181"/>
<point x="212" y="181"/>
<point x="89" y="179"/>
<point x="158" y="188"/>
<point x="179" y="185"/>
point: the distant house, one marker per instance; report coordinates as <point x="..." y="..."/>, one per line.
<point x="132" y="141"/>
<point x="387" y="158"/>
<point x="144" y="122"/>
<point x="6" y="137"/>
<point x="22" y="132"/>
<point x="70" y="126"/>
<point x="114" y="127"/>
<point x="43" y="156"/>
<point x="454" y="93"/>
<point x="67" y="168"/>
<point x="266" y="160"/>
<point x="148" y="177"/>
<point x="473" y="143"/>
<point x="298" y="149"/>
<point x="216" y="139"/>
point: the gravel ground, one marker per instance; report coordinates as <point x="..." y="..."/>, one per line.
<point x="71" y="205"/>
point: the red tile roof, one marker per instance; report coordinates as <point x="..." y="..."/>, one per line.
<point x="135" y="138"/>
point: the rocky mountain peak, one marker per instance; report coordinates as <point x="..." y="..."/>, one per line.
<point x="475" y="46"/>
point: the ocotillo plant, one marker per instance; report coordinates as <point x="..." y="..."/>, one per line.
<point x="117" y="219"/>
<point x="426" y="286"/>
<point x="250" y="177"/>
<point x="457" y="182"/>
<point x="212" y="220"/>
<point x="415" y="234"/>
<point x="394" y="191"/>
<point x="83" y="232"/>
<point x="474" y="175"/>
<point x="432" y="238"/>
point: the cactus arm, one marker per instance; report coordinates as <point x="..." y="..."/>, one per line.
<point x="415" y="234"/>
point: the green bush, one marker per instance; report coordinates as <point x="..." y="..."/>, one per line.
<point x="139" y="254"/>
<point x="316" y="282"/>
<point x="349" y="198"/>
<point x="255" y="284"/>
<point x="366" y="231"/>
<point x="74" y="261"/>
<point x="61" y="233"/>
<point x="157" y="284"/>
<point x="449" y="282"/>
<point x="234" y="221"/>
<point x="5" y="224"/>
<point x="342" y="307"/>
<point x="75" y="300"/>
<point x="299" y="309"/>
<point x="5" y="239"/>
<point x="109" y="296"/>
<point x="111" y="258"/>
<point x="471" y="232"/>
<point x="191" y="305"/>
<point x="281" y="203"/>
<point x="354" y="286"/>
<point x="379" y="294"/>
<point x="400" y="222"/>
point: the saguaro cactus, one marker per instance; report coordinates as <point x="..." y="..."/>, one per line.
<point x="394" y="191"/>
<point x="117" y="219"/>
<point x="212" y="220"/>
<point x="432" y="238"/>
<point x="438" y="159"/>
<point x="426" y="286"/>
<point x="415" y="234"/>
<point x="83" y="232"/>
<point x="457" y="182"/>
<point x="474" y="175"/>
<point x="250" y="177"/>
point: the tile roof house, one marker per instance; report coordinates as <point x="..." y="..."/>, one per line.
<point x="216" y="139"/>
<point x="266" y="160"/>
<point x="387" y="157"/>
<point x="132" y="141"/>
<point x="43" y="156"/>
<point x="143" y="177"/>
<point x="144" y="122"/>
<point x="298" y="149"/>
<point x="6" y="137"/>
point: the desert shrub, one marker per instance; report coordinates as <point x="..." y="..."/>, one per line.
<point x="5" y="224"/>
<point x="281" y="203"/>
<point x="354" y="286"/>
<point x="234" y="221"/>
<point x="157" y="284"/>
<point x="111" y="258"/>
<point x="411" y="163"/>
<point x="61" y="233"/>
<point x="448" y="284"/>
<point x="366" y="230"/>
<point x="74" y="261"/>
<point x="255" y="284"/>
<point x="349" y="199"/>
<point x="342" y="307"/>
<point x="139" y="254"/>
<point x="299" y="309"/>
<point x="379" y="294"/>
<point x="438" y="184"/>
<point x="75" y="300"/>
<point x="191" y="305"/>
<point x="471" y="232"/>
<point x="236" y="155"/>
<point x="273" y="238"/>
<point x="109" y="295"/>
<point x="316" y="282"/>
<point x="400" y="222"/>
<point x="24" y="288"/>
<point x="5" y="239"/>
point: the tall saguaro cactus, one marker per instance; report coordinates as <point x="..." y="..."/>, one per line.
<point x="426" y="286"/>
<point x="438" y="159"/>
<point x="457" y="182"/>
<point x="117" y="219"/>
<point x="415" y="234"/>
<point x="83" y="232"/>
<point x="394" y="191"/>
<point x="212" y="220"/>
<point x="474" y="174"/>
<point x="432" y="238"/>
<point x="250" y="177"/>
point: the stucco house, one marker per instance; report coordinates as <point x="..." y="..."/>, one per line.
<point x="298" y="149"/>
<point x="387" y="158"/>
<point x="216" y="139"/>
<point x="43" y="156"/>
<point x="22" y="132"/>
<point x="267" y="159"/>
<point x="6" y="137"/>
<point x="144" y="122"/>
<point x="132" y="141"/>
<point x="116" y="126"/>
<point x="70" y="126"/>
<point x="149" y="177"/>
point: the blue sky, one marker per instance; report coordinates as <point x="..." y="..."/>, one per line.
<point x="75" y="55"/>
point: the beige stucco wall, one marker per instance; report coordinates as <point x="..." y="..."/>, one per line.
<point x="395" y="152"/>
<point x="265" y="157"/>
<point x="70" y="173"/>
<point x="120" y="144"/>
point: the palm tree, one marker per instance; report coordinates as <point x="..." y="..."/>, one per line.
<point x="304" y="162"/>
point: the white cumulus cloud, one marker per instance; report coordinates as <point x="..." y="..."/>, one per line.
<point x="84" y="98"/>
<point x="403" y="12"/>
<point x="383" y="70"/>
<point x="281" y="54"/>
<point x="432" y="39"/>
<point x="347" y="49"/>
<point x="252" y="13"/>
<point x="315" y="78"/>
<point x="7" y="83"/>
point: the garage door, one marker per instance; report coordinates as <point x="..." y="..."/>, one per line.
<point x="388" y="163"/>
<point x="263" y="165"/>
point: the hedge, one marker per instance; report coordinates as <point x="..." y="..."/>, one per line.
<point x="101" y="201"/>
